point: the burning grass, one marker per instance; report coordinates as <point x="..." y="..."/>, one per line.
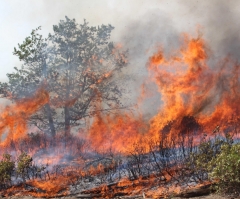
<point x="123" y="154"/>
<point x="163" y="169"/>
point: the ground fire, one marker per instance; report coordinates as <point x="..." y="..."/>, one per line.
<point x="121" y="153"/>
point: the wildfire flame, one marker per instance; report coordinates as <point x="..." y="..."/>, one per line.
<point x="188" y="87"/>
<point x="189" y="84"/>
<point x="117" y="133"/>
<point x="14" y="118"/>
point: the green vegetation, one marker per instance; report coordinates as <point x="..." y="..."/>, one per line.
<point x="24" y="163"/>
<point x="77" y="65"/>
<point x="225" y="168"/>
<point x="7" y="166"/>
<point x="218" y="160"/>
<point x="20" y="170"/>
<point x="198" y="161"/>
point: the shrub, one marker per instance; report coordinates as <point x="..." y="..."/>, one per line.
<point x="24" y="163"/>
<point x="23" y="169"/>
<point x="225" y="168"/>
<point x="6" y="170"/>
<point x="198" y="161"/>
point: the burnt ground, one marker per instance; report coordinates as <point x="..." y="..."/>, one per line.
<point x="192" y="193"/>
<point x="211" y="196"/>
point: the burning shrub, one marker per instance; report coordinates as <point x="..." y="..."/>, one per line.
<point x="6" y="170"/>
<point x="225" y="168"/>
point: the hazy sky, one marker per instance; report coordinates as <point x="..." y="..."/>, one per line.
<point x="139" y="24"/>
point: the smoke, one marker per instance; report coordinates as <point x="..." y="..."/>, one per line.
<point x="218" y="18"/>
<point x="143" y="28"/>
<point x="216" y="21"/>
<point x="220" y="24"/>
<point x="143" y="36"/>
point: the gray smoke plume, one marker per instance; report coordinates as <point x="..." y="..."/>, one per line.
<point x="217" y="21"/>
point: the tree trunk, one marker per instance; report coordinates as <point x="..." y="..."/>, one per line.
<point x="67" y="121"/>
<point x="47" y="106"/>
<point x="50" y="120"/>
<point x="66" y="108"/>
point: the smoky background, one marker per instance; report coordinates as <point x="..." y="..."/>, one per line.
<point x="140" y="26"/>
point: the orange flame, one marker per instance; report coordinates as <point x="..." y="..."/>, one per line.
<point x="14" y="118"/>
<point x="117" y="133"/>
<point x="188" y="86"/>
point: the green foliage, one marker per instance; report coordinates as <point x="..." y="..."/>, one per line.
<point x="32" y="46"/>
<point x="21" y="169"/>
<point x="6" y="169"/>
<point x="74" y="64"/>
<point x="225" y="168"/>
<point x="201" y="158"/>
<point x="33" y="52"/>
<point x="198" y="160"/>
<point x="217" y="159"/>
<point x="24" y="163"/>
